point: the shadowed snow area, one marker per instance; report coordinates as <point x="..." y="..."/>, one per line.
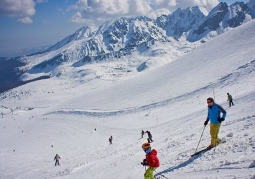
<point x="60" y="115"/>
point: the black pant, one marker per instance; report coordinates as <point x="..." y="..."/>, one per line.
<point x="150" y="140"/>
<point x="231" y="103"/>
<point x="57" y="162"/>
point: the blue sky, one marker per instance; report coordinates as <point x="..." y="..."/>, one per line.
<point x="36" y="23"/>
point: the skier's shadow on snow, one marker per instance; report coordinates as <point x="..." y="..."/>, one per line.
<point x="184" y="164"/>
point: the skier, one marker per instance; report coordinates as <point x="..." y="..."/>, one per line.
<point x="151" y="160"/>
<point x="142" y="133"/>
<point x="149" y="136"/>
<point x="230" y="100"/>
<point x="57" y="157"/>
<point x="110" y="140"/>
<point x="214" y="115"/>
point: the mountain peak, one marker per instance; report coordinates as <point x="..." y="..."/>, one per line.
<point x="220" y="18"/>
<point x="82" y="33"/>
<point x="181" y="21"/>
<point x="251" y="5"/>
<point x="126" y="36"/>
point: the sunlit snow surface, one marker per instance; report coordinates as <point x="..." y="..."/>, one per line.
<point x="60" y="114"/>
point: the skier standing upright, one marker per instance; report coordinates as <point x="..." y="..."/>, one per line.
<point x="110" y="140"/>
<point x="151" y="160"/>
<point x="230" y="100"/>
<point x="57" y="157"/>
<point x="215" y="117"/>
<point x="142" y="133"/>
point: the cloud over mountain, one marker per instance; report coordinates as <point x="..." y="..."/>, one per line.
<point x="100" y="11"/>
<point x="184" y="3"/>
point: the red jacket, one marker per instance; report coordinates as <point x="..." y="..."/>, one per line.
<point x="152" y="159"/>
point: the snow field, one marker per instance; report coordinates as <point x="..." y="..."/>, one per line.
<point x="170" y="101"/>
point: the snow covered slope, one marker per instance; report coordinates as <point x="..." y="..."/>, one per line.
<point x="175" y="78"/>
<point x="59" y="115"/>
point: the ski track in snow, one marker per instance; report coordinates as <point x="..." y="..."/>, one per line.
<point x="231" y="79"/>
<point x="238" y="144"/>
<point x="39" y="126"/>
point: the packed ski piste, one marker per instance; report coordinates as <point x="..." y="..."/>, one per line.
<point x="191" y="118"/>
<point x="216" y="115"/>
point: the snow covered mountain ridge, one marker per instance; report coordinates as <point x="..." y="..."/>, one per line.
<point x="145" y="43"/>
<point x="123" y="36"/>
<point x="74" y="113"/>
<point x="131" y="32"/>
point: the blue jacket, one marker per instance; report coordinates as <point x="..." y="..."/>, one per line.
<point x="214" y="113"/>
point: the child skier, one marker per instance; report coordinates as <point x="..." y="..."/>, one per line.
<point x="151" y="160"/>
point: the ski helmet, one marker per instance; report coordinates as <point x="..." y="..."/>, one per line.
<point x="146" y="145"/>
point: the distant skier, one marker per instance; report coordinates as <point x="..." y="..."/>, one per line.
<point x="110" y="140"/>
<point x="214" y="115"/>
<point x="57" y="157"/>
<point x="151" y="160"/>
<point x="230" y="100"/>
<point x="142" y="133"/>
<point x="149" y="136"/>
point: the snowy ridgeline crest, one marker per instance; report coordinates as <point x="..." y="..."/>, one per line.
<point x="127" y="36"/>
<point x="123" y="36"/>
<point x="131" y="32"/>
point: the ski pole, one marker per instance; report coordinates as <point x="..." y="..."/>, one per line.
<point x="200" y="138"/>
<point x="214" y="148"/>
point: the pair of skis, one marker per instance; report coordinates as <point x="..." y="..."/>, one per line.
<point x="196" y="153"/>
<point x="207" y="149"/>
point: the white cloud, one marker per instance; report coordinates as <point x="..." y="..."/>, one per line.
<point x="23" y="9"/>
<point x="101" y="10"/>
<point x="25" y="20"/>
<point x="77" y="18"/>
<point x="165" y="3"/>
<point x="174" y="4"/>
<point x="16" y="8"/>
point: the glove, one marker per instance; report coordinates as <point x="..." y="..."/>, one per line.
<point x="144" y="163"/>
<point x="206" y="122"/>
<point x="221" y="119"/>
